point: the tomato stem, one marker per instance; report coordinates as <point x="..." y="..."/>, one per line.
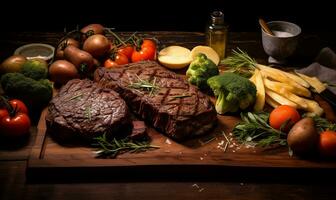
<point x="83" y="68"/>
<point x="5" y="103"/>
<point x="89" y="33"/>
<point x="66" y="37"/>
<point x="116" y="36"/>
<point x="138" y="44"/>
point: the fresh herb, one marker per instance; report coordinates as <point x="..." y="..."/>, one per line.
<point x="88" y="113"/>
<point x="145" y="85"/>
<point x="323" y="124"/>
<point x="75" y="97"/>
<point x="240" y="63"/>
<point x="254" y="128"/>
<point x="180" y="96"/>
<point x="114" y="147"/>
<point x="330" y="84"/>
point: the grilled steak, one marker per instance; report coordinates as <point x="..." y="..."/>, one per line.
<point x="83" y="109"/>
<point x="161" y="97"/>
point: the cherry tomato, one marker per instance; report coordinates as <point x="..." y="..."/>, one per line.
<point x="146" y="52"/>
<point x="109" y="63"/>
<point x="127" y="51"/>
<point x="149" y="43"/>
<point x="19" y="106"/>
<point x="281" y="114"/>
<point x="14" y="126"/>
<point x="327" y="144"/>
<point x="121" y="59"/>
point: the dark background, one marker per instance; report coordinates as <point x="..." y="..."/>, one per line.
<point x="312" y="16"/>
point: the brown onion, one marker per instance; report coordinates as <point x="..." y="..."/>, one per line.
<point x="97" y="45"/>
<point x="12" y="64"/>
<point x="95" y="28"/>
<point x="63" y="45"/>
<point x="61" y="71"/>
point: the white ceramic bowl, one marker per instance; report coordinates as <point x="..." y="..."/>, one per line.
<point x="36" y="50"/>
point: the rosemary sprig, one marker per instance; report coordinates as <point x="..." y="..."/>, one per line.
<point x="323" y="124"/>
<point x="88" y="113"/>
<point x="180" y="96"/>
<point x="240" y="62"/>
<point x="145" y="85"/>
<point x="75" y="97"/>
<point x="254" y="128"/>
<point x="115" y="146"/>
<point x="330" y="84"/>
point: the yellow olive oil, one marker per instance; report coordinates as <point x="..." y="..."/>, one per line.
<point x="216" y="33"/>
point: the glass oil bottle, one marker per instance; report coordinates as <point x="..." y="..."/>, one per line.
<point x="216" y="33"/>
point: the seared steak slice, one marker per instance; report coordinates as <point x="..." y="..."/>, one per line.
<point x="173" y="106"/>
<point x="84" y="109"/>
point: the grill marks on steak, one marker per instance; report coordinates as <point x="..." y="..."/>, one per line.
<point x="85" y="109"/>
<point x="179" y="118"/>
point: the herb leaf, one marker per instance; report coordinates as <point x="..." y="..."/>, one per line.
<point x="113" y="148"/>
<point x="323" y="124"/>
<point x="240" y="63"/>
<point x="88" y="113"/>
<point x="145" y="85"/>
<point x="75" y="97"/>
<point x="180" y="96"/>
<point x="254" y="128"/>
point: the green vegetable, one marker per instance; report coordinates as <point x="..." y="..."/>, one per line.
<point x="35" y="68"/>
<point x="33" y="93"/>
<point x="240" y="63"/>
<point x="254" y="128"/>
<point x="115" y="146"/>
<point x="323" y="124"/>
<point x="200" y="70"/>
<point x="233" y="92"/>
<point x="145" y="85"/>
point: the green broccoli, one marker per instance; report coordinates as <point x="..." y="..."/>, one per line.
<point x="233" y="92"/>
<point x="35" y="68"/>
<point x="200" y="70"/>
<point x="36" y="94"/>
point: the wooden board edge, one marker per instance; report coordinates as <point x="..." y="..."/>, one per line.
<point x="40" y="170"/>
<point x="38" y="146"/>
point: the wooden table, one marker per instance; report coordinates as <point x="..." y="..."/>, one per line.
<point x="14" y="185"/>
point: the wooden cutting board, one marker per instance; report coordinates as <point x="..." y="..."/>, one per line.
<point x="203" y="156"/>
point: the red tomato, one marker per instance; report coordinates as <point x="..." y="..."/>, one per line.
<point x="148" y="42"/>
<point x="327" y="144"/>
<point x="109" y="63"/>
<point x="281" y="114"/>
<point x="15" y="126"/>
<point x="146" y="52"/>
<point x="3" y="113"/>
<point x="18" y="105"/>
<point x="121" y="59"/>
<point x="127" y="51"/>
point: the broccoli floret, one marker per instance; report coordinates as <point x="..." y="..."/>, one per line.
<point x="200" y="70"/>
<point x="233" y="92"/>
<point x="34" y="93"/>
<point x="35" y="69"/>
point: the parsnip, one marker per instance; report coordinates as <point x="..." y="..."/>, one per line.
<point x="301" y="102"/>
<point x="314" y="107"/>
<point x="260" y="99"/>
<point x="253" y="78"/>
<point x="300" y="90"/>
<point x="297" y="79"/>
<point x="314" y="82"/>
<point x="271" y="101"/>
<point x="280" y="99"/>
<point x="290" y="96"/>
<point x="277" y="86"/>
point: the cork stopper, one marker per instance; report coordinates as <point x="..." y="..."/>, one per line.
<point x="217" y="17"/>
